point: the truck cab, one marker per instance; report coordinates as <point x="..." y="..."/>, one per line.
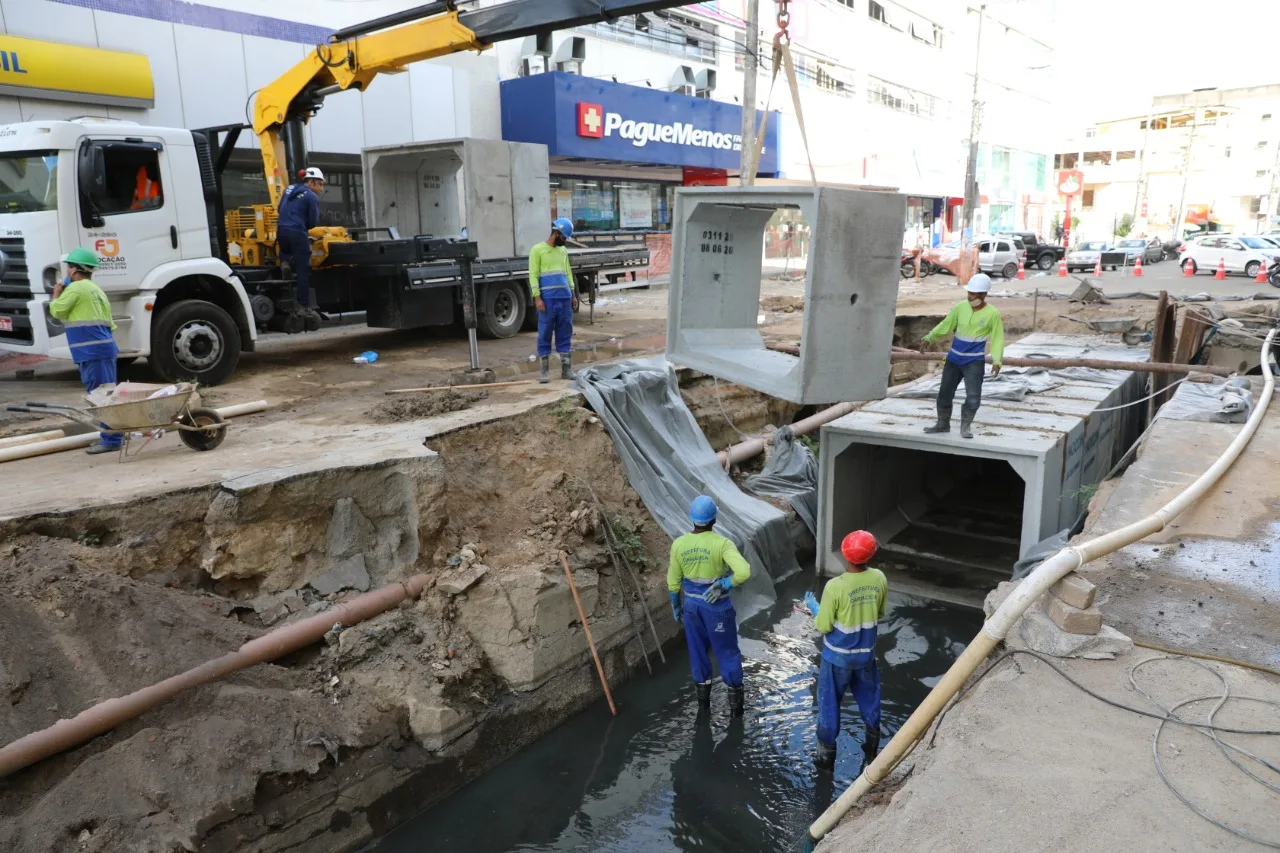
<point x="129" y="193"/>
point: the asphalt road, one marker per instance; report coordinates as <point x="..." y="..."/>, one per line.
<point x="1166" y="275"/>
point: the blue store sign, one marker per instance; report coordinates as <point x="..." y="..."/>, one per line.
<point x="582" y="117"/>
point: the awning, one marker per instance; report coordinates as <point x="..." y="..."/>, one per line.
<point x="64" y="72"/>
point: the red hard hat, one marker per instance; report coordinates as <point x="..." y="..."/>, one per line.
<point x="859" y="547"/>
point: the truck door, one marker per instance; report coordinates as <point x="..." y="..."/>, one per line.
<point x="124" y="214"/>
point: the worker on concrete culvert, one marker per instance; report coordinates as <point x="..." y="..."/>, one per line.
<point x="86" y="312"/>
<point x="551" y="283"/>
<point x="973" y="324"/>
<point x="848" y="618"/>
<point x="705" y="566"/>
<point x="299" y="213"/>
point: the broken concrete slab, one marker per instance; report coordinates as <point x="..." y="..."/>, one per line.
<point x="1041" y="635"/>
<point x="350" y="532"/>
<point x="461" y="580"/>
<point x="347" y="573"/>
<point x="1075" y="590"/>
<point x="1073" y="620"/>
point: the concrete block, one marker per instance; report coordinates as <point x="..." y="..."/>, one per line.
<point x="1073" y="620"/>
<point x="851" y="286"/>
<point x="1075" y="590"/>
<point x="347" y="573"/>
<point x="461" y="580"/>
<point x="1039" y="633"/>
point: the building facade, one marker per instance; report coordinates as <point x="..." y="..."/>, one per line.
<point x="1209" y="159"/>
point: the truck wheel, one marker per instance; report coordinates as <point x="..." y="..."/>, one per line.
<point x="502" y="310"/>
<point x="1045" y="261"/>
<point x="195" y="341"/>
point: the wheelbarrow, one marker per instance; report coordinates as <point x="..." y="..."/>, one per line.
<point x="199" y="428"/>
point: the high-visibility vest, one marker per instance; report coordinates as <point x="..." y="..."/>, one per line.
<point x="146" y="192"/>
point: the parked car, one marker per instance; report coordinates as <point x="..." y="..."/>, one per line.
<point x="1240" y="254"/>
<point x="999" y="256"/>
<point x="1039" y="254"/>
<point x="1135" y="247"/>
<point x="1084" y="257"/>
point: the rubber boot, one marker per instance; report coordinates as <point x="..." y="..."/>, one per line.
<point x="943" y="424"/>
<point x="544" y="376"/>
<point x="966" y="421"/>
<point x="98" y="447"/>
<point x="825" y="758"/>
<point x="737" y="699"/>
<point x="566" y="366"/>
<point x="704" y="695"/>
<point x="871" y="746"/>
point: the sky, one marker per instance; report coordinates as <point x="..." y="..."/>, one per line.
<point x="1115" y="55"/>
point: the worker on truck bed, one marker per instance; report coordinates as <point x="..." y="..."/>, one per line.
<point x="852" y="605"/>
<point x="85" y="311"/>
<point x="974" y="323"/>
<point x="551" y="283"/>
<point x="705" y="566"/>
<point x="299" y="213"/>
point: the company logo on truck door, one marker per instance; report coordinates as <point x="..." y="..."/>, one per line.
<point x="641" y="133"/>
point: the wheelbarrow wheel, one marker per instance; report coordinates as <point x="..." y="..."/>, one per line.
<point x="202" y="439"/>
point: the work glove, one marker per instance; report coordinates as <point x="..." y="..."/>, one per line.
<point x="718" y="589"/>
<point x="675" y="605"/>
<point x="811" y="602"/>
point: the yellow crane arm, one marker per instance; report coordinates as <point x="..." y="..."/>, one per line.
<point x="351" y="63"/>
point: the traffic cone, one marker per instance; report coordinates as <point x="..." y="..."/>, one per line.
<point x="1097" y="268"/>
<point x="1062" y="268"/>
<point x="1188" y="269"/>
<point x="1137" y="267"/>
<point x="1022" y="273"/>
<point x="1261" y="277"/>
<point x="1221" y="274"/>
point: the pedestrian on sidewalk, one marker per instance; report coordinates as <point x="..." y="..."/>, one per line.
<point x="974" y="324"/>
<point x="86" y="312"/>
<point x="705" y="566"/>
<point x="852" y="606"/>
<point x="551" y="283"/>
<point x="299" y="213"/>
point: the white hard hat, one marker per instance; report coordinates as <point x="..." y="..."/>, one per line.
<point x="980" y="283"/>
<point x="312" y="174"/>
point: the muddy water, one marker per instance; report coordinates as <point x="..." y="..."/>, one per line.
<point x="658" y="778"/>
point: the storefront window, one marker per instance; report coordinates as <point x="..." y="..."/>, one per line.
<point x="602" y="205"/>
<point x="1002" y="217"/>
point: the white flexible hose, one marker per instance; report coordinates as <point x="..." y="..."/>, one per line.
<point x="1027" y="593"/>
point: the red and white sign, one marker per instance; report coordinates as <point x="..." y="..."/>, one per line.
<point x="1070" y="183"/>
<point x="590" y="120"/>
<point x="6" y="324"/>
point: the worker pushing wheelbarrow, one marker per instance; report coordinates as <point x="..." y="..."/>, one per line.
<point x="199" y="428"/>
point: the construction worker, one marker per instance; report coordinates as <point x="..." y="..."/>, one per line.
<point x="705" y="566"/>
<point x="146" y="189"/>
<point x="974" y="323"/>
<point x="551" y="283"/>
<point x="851" y="607"/>
<point x="299" y="213"/>
<point x="86" y="312"/>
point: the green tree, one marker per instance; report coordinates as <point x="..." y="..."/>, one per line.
<point x="1124" y="226"/>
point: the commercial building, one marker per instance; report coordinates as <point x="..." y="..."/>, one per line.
<point x="1209" y="159"/>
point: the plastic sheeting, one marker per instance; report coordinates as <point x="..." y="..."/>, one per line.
<point x="1223" y="403"/>
<point x="791" y="473"/>
<point x="669" y="463"/>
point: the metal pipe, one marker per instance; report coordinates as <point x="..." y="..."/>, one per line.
<point x="104" y="716"/>
<point x="1095" y="363"/>
<point x="586" y="628"/>
<point x="1027" y="593"/>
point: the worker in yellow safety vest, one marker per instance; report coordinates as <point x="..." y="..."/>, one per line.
<point x="974" y="324"/>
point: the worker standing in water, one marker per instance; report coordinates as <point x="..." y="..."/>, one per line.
<point x="852" y="606"/>
<point x="975" y="323"/>
<point x="705" y="566"/>
<point x="551" y="283"/>
<point x="86" y="312"/>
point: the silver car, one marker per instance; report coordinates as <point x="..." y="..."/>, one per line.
<point x="1085" y="256"/>
<point x="998" y="256"/>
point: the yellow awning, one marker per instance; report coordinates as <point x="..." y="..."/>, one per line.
<point x="65" y="72"/>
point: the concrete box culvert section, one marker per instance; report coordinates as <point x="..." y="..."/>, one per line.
<point x="942" y="502"/>
<point x="850" y="290"/>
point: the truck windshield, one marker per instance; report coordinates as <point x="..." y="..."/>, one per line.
<point x="28" y="181"/>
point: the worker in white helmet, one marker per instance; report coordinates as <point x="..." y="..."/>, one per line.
<point x="974" y="324"/>
<point x="299" y="213"/>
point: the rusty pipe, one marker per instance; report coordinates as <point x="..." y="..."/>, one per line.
<point x="106" y="715"/>
<point x="1095" y="363"/>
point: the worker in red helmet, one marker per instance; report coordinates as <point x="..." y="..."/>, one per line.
<point x="852" y="606"/>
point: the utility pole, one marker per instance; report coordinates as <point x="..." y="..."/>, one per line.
<point x="747" y="169"/>
<point x="1142" y="161"/>
<point x="971" y="167"/>
<point x="1268" y="207"/>
<point x="1186" y="174"/>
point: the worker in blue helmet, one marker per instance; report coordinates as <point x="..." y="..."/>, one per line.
<point x="705" y="566"/>
<point x="556" y="298"/>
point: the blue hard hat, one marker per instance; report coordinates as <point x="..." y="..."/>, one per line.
<point x="564" y="226"/>
<point x="703" y="510"/>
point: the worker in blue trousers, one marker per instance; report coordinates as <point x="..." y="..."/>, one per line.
<point x="554" y="295"/>
<point x="705" y="566"/>
<point x="852" y="606"/>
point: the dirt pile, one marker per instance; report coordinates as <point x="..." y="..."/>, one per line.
<point x="418" y="406"/>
